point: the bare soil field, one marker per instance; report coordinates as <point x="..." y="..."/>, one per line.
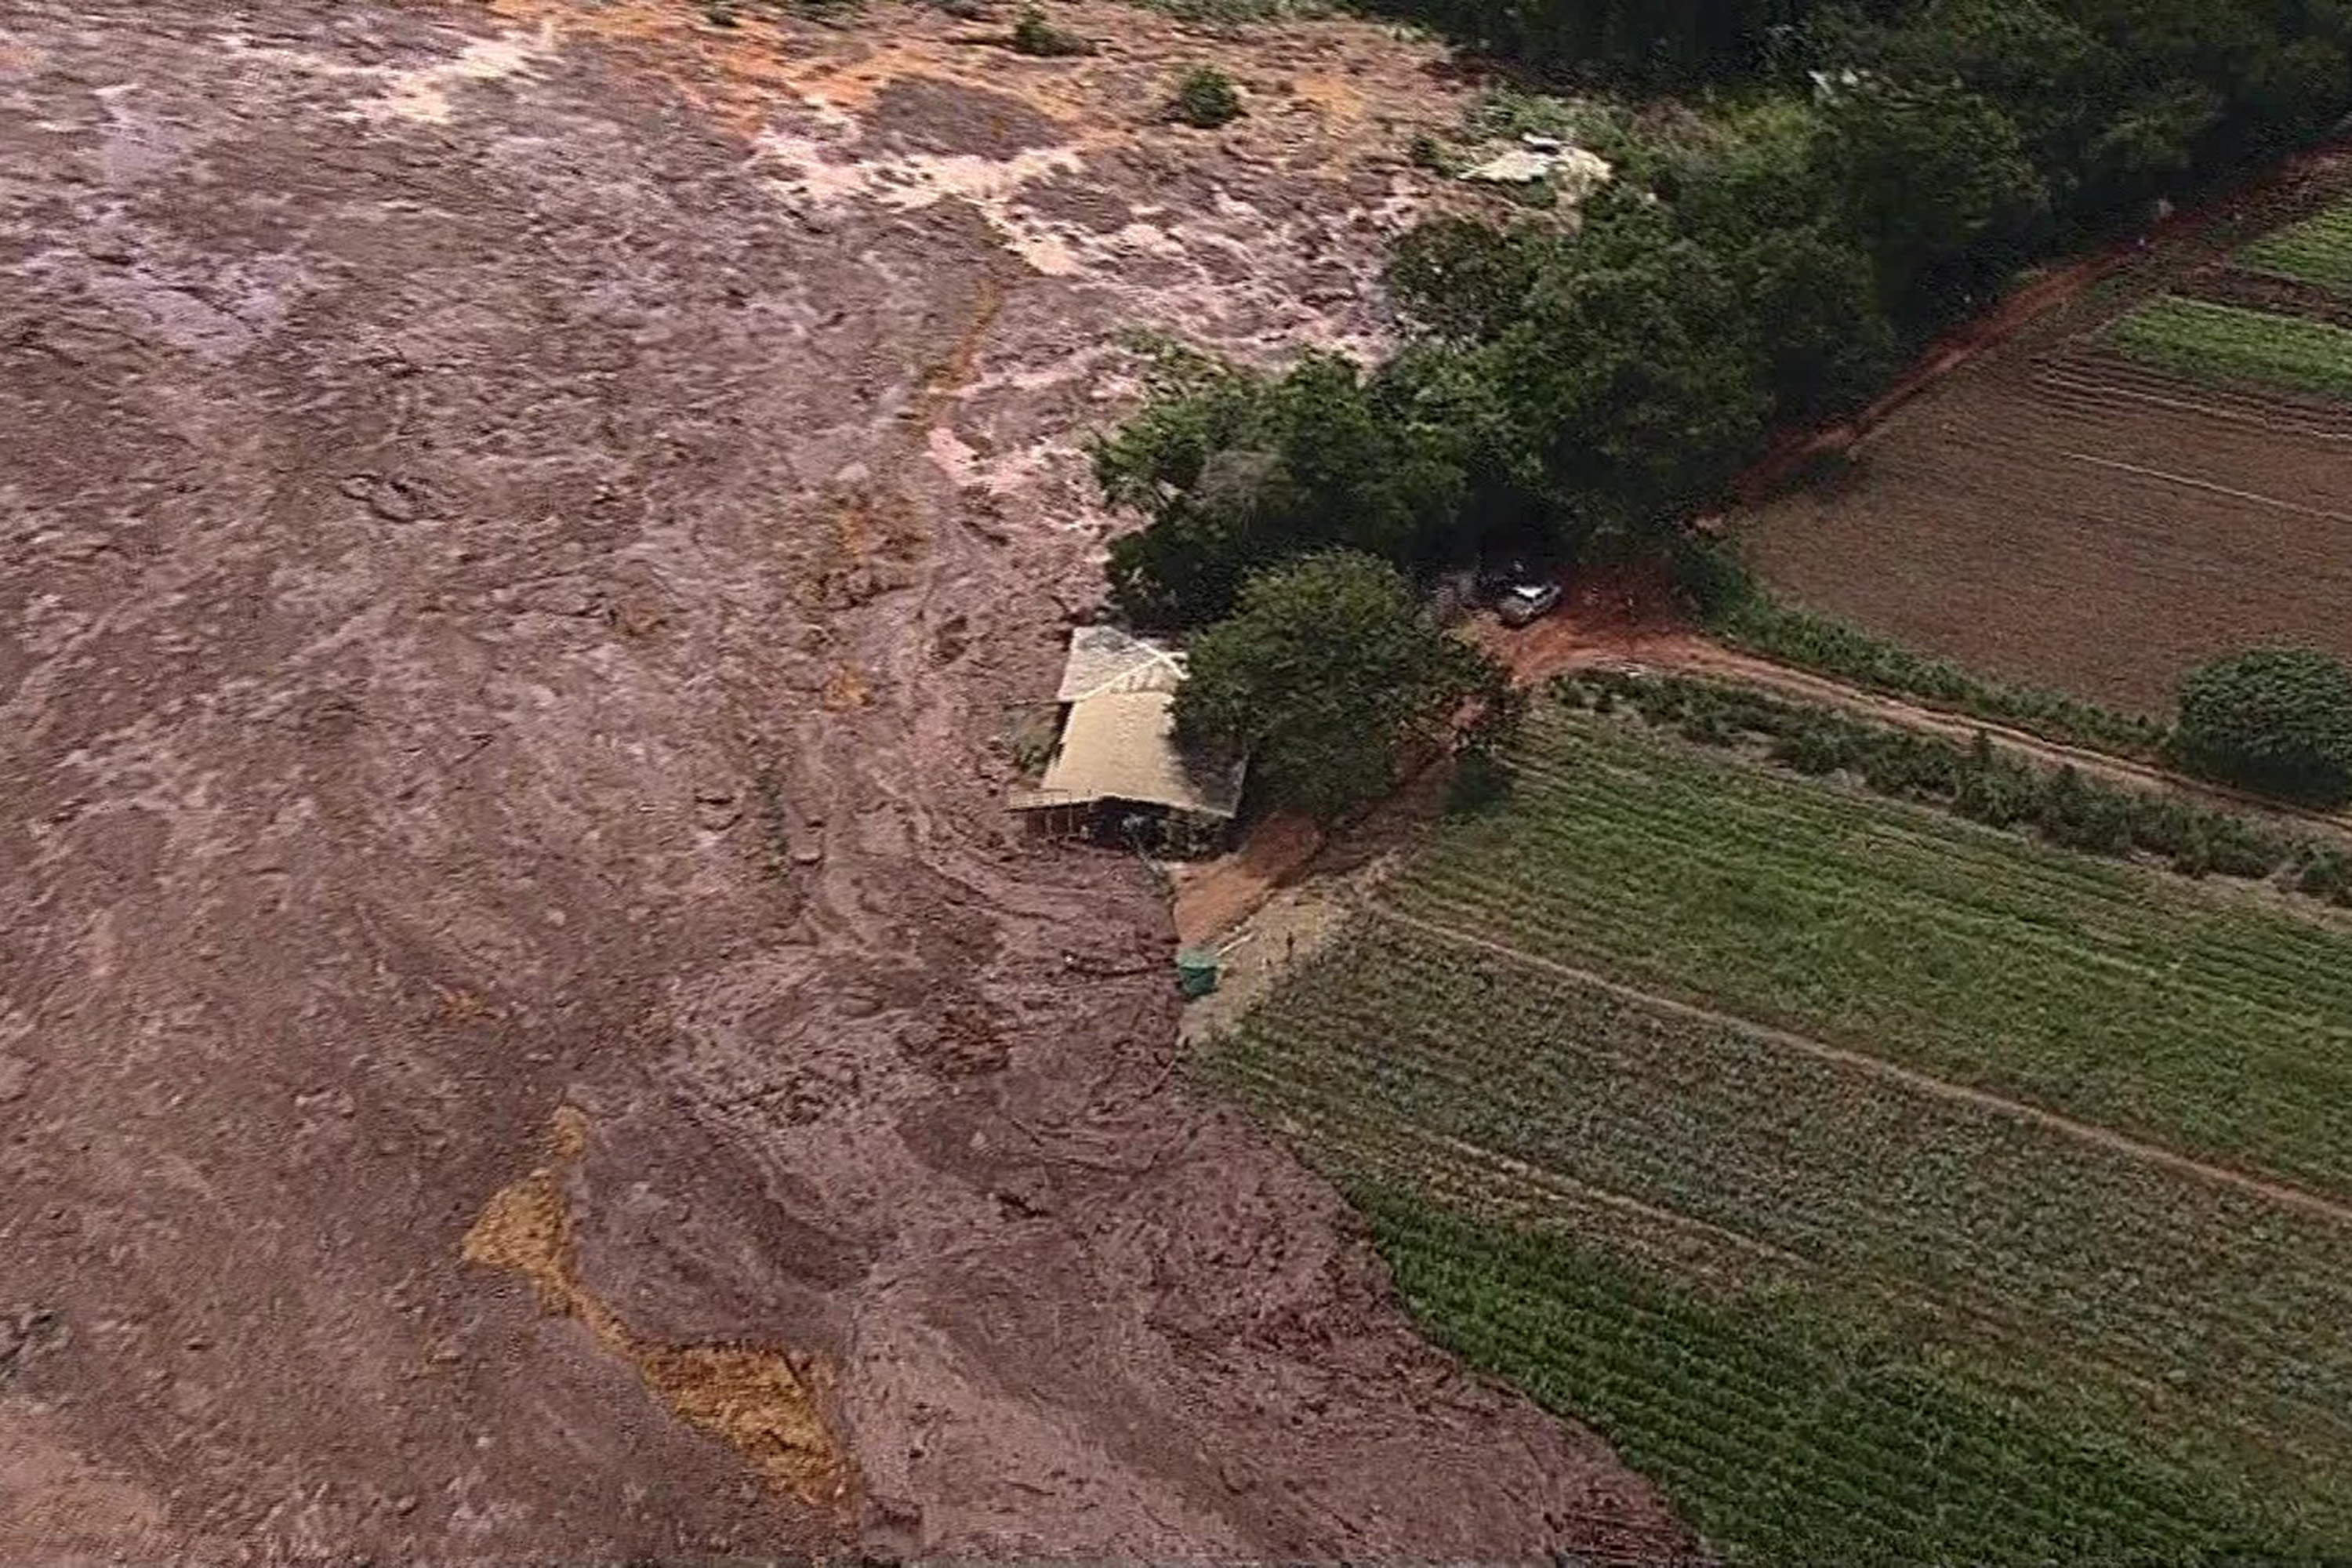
<point x="2057" y="516"/>
<point x="524" y="1028"/>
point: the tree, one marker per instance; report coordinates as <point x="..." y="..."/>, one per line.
<point x="1622" y="353"/>
<point x="1929" y="173"/>
<point x="1825" y="343"/>
<point x="1237" y="471"/>
<point x="1634" y="362"/>
<point x="2274" y="718"/>
<point x="1327" y="674"/>
<point x="2039" y="67"/>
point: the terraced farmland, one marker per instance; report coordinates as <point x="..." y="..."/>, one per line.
<point x="2209" y="341"/>
<point x="2316" y="250"/>
<point x="2154" y="473"/>
<point x="1939" y="1273"/>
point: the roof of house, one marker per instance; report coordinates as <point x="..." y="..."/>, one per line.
<point x="1121" y="745"/>
<point x="1118" y="740"/>
<point x="1104" y="659"/>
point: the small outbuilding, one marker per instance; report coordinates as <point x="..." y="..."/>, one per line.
<point x="1116" y="757"/>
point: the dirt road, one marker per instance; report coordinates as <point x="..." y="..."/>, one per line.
<point x="522" y="1024"/>
<point x="1613" y="622"/>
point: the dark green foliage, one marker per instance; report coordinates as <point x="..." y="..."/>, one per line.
<point x="1206" y="98"/>
<point x="1328" y="675"/>
<point x="1828" y="344"/>
<point x="1929" y="178"/>
<point x="1481" y="782"/>
<point x="1237" y="471"/>
<point x="2278" y="720"/>
<point x="2324" y="872"/>
<point x="1766" y="256"/>
<point x="1034" y="35"/>
<point x="1634" y="42"/>
<point x="1976" y="780"/>
<point x="1619" y="356"/>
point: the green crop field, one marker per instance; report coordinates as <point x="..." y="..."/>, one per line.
<point x="2316" y="250"/>
<point x="2219" y="1024"/>
<point x="2230" y="343"/>
<point x="1841" y="1310"/>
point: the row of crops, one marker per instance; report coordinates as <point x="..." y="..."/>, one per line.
<point x="2316" y="250"/>
<point x="1786" y="1436"/>
<point x="1839" y="1313"/>
<point x="2214" y="342"/>
<point x="2216" y="1023"/>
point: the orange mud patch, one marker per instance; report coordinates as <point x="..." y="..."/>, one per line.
<point x="765" y="1404"/>
<point x="1216" y="895"/>
<point x="1354" y="93"/>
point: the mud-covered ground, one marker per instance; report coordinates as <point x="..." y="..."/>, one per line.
<point x="523" y="1024"/>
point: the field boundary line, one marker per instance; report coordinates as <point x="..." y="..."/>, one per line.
<point x="1728" y="664"/>
<point x="2063" y="383"/>
<point x="2276" y="1191"/>
<point x="2209" y="486"/>
<point x="1541" y="1179"/>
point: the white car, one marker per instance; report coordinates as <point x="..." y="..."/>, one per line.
<point x="1527" y="602"/>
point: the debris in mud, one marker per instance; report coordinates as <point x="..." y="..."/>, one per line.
<point x="764" y="1403"/>
<point x="26" y="1331"/>
<point x="1572" y="173"/>
<point x="393" y="499"/>
<point x="961" y="1042"/>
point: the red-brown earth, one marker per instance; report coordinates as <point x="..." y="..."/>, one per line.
<point x="524" y="1027"/>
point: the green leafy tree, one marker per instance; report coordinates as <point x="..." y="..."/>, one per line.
<point x="1635" y="361"/>
<point x="1928" y="175"/>
<point x="1623" y="353"/>
<point x="2147" y="145"/>
<point x="2274" y="718"/>
<point x="2047" y="72"/>
<point x="1327" y="674"/>
<point x="1238" y="471"/>
<point x="1823" y="341"/>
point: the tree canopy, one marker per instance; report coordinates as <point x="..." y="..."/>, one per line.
<point x="1764" y="255"/>
<point x="1327" y="673"/>
<point x="2274" y="718"/>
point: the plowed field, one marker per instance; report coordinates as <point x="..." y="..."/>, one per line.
<point x="2061" y="515"/>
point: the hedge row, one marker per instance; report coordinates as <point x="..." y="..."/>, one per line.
<point x="2063" y="804"/>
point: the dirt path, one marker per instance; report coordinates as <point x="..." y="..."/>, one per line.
<point x="524" y="1028"/>
<point x="1564" y="645"/>
<point x="1604" y="626"/>
<point x="2085" y="1131"/>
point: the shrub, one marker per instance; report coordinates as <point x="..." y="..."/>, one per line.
<point x="1207" y="97"/>
<point x="2000" y="794"/>
<point x="1034" y="35"/>
<point x="1809" y="751"/>
<point x="2273" y="718"/>
<point x="2325" y="873"/>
